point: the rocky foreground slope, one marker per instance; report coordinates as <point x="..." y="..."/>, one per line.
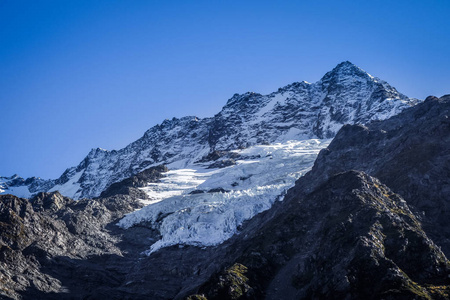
<point x="367" y="222"/>
<point x="352" y="238"/>
<point x="345" y="95"/>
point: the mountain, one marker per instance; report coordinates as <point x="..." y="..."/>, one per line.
<point x="21" y="187"/>
<point x="368" y="221"/>
<point x="345" y="95"/>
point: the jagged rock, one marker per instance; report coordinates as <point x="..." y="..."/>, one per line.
<point x="218" y="190"/>
<point x="229" y="284"/>
<point x="409" y="153"/>
<point x="50" y="241"/>
<point x="222" y="164"/>
<point x="129" y="186"/>
<point x="196" y="192"/>
<point x="50" y="201"/>
<point x="215" y="155"/>
<point x="351" y="238"/>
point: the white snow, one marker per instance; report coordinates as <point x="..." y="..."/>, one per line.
<point x="208" y="219"/>
<point x="176" y="182"/>
<point x="8" y="187"/>
<point x="270" y="105"/>
<point x="71" y="188"/>
<point x="19" y="191"/>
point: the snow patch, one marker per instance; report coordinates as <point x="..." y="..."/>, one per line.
<point x="19" y="191"/>
<point x="71" y="188"/>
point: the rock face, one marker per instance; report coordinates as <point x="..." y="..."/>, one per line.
<point x="351" y="238"/>
<point x="345" y="95"/>
<point x="48" y="239"/>
<point x="410" y="153"/>
<point x="130" y="185"/>
<point x="51" y="245"/>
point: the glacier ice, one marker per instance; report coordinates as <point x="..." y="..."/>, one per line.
<point x="208" y="219"/>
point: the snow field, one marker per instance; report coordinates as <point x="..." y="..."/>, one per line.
<point x="260" y="178"/>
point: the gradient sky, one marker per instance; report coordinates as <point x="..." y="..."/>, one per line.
<point x="76" y="75"/>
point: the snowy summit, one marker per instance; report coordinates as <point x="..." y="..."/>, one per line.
<point x="226" y="169"/>
<point x="298" y="111"/>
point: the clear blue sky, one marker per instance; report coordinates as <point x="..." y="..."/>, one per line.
<point x="76" y="75"/>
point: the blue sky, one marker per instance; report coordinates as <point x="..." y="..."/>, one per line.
<point x="76" y="75"/>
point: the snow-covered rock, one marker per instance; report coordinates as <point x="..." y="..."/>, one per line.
<point x="298" y="111"/>
<point x="23" y="188"/>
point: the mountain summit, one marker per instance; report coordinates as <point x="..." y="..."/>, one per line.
<point x="301" y="110"/>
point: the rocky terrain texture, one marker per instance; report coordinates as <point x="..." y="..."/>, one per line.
<point x="410" y="153"/>
<point x="351" y="238"/>
<point x="345" y="95"/>
<point x="52" y="245"/>
<point x="367" y="222"/>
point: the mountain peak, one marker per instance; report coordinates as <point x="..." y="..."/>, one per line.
<point x="346" y="69"/>
<point x="346" y="65"/>
<point x="345" y="95"/>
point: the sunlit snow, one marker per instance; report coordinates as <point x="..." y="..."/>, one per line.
<point x="210" y="218"/>
<point x="71" y="188"/>
<point x="19" y="191"/>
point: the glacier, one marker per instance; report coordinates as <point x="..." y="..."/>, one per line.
<point x="206" y="218"/>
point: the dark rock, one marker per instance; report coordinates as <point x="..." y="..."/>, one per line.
<point x="229" y="284"/>
<point x="216" y="154"/>
<point x="410" y="153"/>
<point x="218" y="190"/>
<point x="196" y="192"/>
<point x="130" y="185"/>
<point x="351" y="238"/>
<point x="50" y="201"/>
<point x="47" y="243"/>
<point x="222" y="164"/>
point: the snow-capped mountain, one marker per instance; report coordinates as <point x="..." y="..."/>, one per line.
<point x="301" y="110"/>
<point x="24" y="188"/>
<point x="319" y="240"/>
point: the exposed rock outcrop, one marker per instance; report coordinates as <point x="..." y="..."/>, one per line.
<point x="351" y="238"/>
<point x="410" y="153"/>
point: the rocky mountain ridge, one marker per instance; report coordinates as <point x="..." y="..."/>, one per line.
<point x="409" y="153"/>
<point x="347" y="94"/>
<point x="50" y="244"/>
